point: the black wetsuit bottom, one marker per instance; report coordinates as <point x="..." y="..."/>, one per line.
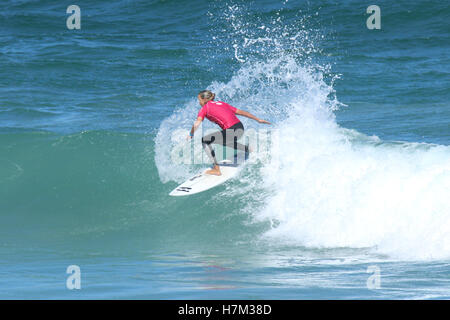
<point x="227" y="138"/>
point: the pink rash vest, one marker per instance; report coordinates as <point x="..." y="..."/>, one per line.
<point x="219" y="112"/>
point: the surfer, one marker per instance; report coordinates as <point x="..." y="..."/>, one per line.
<point x="224" y="115"/>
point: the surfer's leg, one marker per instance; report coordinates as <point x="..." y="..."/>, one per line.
<point x="207" y="141"/>
<point x="231" y="140"/>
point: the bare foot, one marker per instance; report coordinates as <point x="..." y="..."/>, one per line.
<point x="214" y="171"/>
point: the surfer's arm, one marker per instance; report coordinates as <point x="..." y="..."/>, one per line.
<point x="249" y="115"/>
<point x="195" y="126"/>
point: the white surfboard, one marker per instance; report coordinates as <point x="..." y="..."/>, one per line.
<point x="202" y="182"/>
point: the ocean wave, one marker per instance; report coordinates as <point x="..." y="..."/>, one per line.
<point x="328" y="187"/>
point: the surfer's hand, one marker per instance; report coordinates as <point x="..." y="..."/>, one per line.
<point x="189" y="137"/>
<point x="263" y="121"/>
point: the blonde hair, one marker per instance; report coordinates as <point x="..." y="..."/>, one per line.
<point x="206" y="94"/>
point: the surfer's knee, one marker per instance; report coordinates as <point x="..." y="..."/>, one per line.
<point x="238" y="133"/>
<point x="206" y="141"/>
<point x="215" y="138"/>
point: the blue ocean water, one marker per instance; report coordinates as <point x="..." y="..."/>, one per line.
<point x="359" y="183"/>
